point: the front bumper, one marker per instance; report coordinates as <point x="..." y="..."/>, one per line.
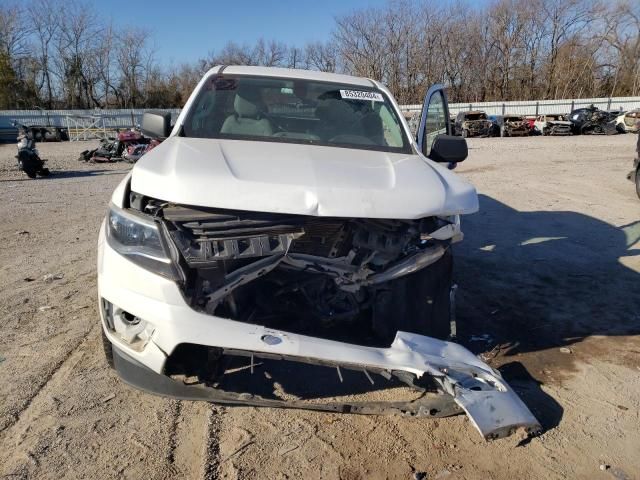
<point x="478" y="129"/>
<point x="465" y="382"/>
<point x="517" y="132"/>
<point x="559" y="130"/>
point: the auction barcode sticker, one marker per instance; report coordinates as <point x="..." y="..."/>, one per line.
<point x="361" y="95"/>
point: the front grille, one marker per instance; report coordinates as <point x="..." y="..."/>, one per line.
<point x="322" y="237"/>
<point x="206" y="235"/>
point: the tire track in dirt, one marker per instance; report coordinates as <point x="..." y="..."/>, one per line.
<point x="16" y="416"/>
<point x="24" y="414"/>
<point x="176" y="409"/>
<point x="211" y="459"/>
<point x="193" y="450"/>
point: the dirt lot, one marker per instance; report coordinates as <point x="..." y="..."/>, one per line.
<point x="548" y="274"/>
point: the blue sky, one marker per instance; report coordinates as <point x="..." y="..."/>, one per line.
<point x="185" y="30"/>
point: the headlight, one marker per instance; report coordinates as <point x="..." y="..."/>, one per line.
<point x="138" y="238"/>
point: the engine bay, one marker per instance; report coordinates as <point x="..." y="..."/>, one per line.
<point x="337" y="278"/>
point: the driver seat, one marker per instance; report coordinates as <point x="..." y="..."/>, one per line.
<point x="247" y="119"/>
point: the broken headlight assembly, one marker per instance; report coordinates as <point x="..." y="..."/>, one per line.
<point x="138" y="238"/>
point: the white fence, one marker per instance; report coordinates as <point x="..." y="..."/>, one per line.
<point x="112" y="119"/>
<point x="123" y="118"/>
<point x="539" y="107"/>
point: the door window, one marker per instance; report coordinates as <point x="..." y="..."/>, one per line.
<point x="435" y="121"/>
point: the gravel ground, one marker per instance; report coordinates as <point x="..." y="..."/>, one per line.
<point x="548" y="276"/>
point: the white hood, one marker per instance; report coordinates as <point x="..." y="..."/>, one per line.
<point x="300" y="179"/>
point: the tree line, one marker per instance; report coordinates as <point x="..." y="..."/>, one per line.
<point x="64" y="55"/>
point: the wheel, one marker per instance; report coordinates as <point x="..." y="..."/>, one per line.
<point x="545" y="132"/>
<point x="108" y="349"/>
<point x="44" y="172"/>
<point x="638" y="182"/>
<point x="465" y="133"/>
<point x="28" y="164"/>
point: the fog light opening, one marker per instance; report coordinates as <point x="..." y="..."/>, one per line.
<point x="129" y="329"/>
<point x="129" y="319"/>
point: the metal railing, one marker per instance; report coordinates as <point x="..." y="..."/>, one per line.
<point x="538" y="107"/>
<point x="84" y="124"/>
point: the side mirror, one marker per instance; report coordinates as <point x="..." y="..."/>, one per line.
<point x="448" y="149"/>
<point x="156" y="124"/>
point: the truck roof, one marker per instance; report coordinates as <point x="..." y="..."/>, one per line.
<point x="295" y="73"/>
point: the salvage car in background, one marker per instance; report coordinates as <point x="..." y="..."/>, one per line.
<point x="552" y="124"/>
<point x="592" y="121"/>
<point x="39" y="133"/>
<point x="628" y="121"/>
<point x="8" y="131"/>
<point x="291" y="217"/>
<point x="531" y="120"/>
<point x="473" y="123"/>
<point x="509" y="126"/>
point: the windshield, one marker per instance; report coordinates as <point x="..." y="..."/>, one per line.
<point x="476" y="116"/>
<point x="295" y="111"/>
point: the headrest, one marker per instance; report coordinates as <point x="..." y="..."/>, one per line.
<point x="333" y="110"/>
<point x="245" y="106"/>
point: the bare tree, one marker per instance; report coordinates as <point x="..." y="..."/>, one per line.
<point x="44" y="18"/>
<point x="134" y="61"/>
<point x="63" y="54"/>
<point x="321" y="56"/>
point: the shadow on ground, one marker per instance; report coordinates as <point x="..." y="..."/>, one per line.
<point x="537" y="280"/>
<point x="58" y="175"/>
<point x="529" y="281"/>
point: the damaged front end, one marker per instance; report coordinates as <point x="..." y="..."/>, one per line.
<point x="477" y="128"/>
<point x="347" y="274"/>
<point x="269" y="292"/>
<point x="516" y="127"/>
<point x="557" y="128"/>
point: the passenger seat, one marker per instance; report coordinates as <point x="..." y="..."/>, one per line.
<point x="247" y="120"/>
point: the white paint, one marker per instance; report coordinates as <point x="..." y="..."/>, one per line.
<point x="300" y="179"/>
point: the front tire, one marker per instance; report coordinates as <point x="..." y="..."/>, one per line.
<point x="107" y="348"/>
<point x="638" y="182"/>
<point x="28" y="164"/>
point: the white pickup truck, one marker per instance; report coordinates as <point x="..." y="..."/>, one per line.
<point x="290" y="217"/>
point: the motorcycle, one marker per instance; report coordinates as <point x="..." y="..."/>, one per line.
<point x="29" y="160"/>
<point x="133" y="152"/>
<point x="113" y="149"/>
